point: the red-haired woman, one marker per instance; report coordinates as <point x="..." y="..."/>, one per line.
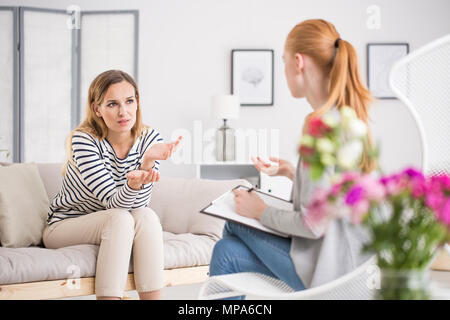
<point x="323" y="68"/>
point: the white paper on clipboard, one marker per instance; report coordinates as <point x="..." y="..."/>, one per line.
<point x="223" y="207"/>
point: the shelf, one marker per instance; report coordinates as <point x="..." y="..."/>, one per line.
<point x="278" y="186"/>
<point x="225" y="163"/>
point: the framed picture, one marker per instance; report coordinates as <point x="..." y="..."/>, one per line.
<point x="252" y="76"/>
<point x="380" y="59"/>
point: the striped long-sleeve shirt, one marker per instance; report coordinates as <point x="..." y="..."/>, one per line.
<point x="98" y="180"/>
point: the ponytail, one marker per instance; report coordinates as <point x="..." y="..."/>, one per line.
<point x="319" y="40"/>
<point x="347" y="89"/>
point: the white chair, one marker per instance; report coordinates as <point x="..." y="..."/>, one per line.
<point x="422" y="81"/>
<point x="356" y="285"/>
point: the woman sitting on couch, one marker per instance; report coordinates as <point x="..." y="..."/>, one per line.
<point x="112" y="163"/>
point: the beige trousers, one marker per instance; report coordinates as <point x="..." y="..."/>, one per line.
<point x="119" y="233"/>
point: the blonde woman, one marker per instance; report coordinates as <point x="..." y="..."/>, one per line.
<point x="323" y="68"/>
<point x="112" y="163"/>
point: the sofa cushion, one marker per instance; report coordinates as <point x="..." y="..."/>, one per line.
<point x="23" y="205"/>
<point x="19" y="265"/>
<point x="39" y="264"/>
<point x="51" y="175"/>
<point x="187" y="250"/>
<point x="178" y="202"/>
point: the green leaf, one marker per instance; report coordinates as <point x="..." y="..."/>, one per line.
<point x="316" y="171"/>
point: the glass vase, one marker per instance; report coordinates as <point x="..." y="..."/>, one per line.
<point x="404" y="285"/>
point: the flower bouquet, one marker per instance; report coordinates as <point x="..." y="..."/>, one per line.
<point x="336" y="139"/>
<point x="408" y="218"/>
<point x="407" y="214"/>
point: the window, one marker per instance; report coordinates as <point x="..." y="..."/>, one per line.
<point x="44" y="89"/>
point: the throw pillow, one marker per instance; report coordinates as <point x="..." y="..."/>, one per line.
<point x="23" y="205"/>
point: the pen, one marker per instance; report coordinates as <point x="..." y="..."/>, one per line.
<point x="250" y="190"/>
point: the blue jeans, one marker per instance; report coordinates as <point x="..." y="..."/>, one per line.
<point x="243" y="249"/>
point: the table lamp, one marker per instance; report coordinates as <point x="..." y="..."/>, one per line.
<point x="225" y="107"/>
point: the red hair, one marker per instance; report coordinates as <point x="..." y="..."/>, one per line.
<point x="337" y="58"/>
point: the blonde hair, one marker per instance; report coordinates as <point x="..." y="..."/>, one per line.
<point x="337" y="58"/>
<point x="95" y="125"/>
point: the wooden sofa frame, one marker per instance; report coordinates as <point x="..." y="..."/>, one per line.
<point x="65" y="288"/>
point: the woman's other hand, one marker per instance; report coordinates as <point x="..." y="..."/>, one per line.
<point x="280" y="168"/>
<point x="159" y="151"/>
<point x="248" y="204"/>
<point x="162" y="151"/>
<point x="137" y="178"/>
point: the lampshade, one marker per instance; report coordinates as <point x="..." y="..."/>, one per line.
<point x="225" y="107"/>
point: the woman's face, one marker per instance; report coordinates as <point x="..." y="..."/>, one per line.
<point x="118" y="108"/>
<point x="293" y="67"/>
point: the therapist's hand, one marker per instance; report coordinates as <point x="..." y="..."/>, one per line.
<point x="280" y="167"/>
<point x="248" y="204"/>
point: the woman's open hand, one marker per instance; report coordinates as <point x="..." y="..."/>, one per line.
<point x="159" y="151"/>
<point x="281" y="168"/>
<point x="137" y="178"/>
<point x="162" y="151"/>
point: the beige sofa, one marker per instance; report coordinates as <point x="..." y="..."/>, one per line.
<point x="189" y="237"/>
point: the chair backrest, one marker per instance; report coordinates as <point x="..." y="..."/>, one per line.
<point x="421" y="80"/>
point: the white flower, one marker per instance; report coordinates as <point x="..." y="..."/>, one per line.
<point x="357" y="128"/>
<point x="325" y="145"/>
<point x="332" y="118"/>
<point x="348" y="113"/>
<point x="307" y="141"/>
<point x="349" y="154"/>
<point x="327" y="159"/>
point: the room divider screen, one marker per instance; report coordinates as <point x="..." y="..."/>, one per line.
<point x="109" y="40"/>
<point x="7" y="51"/>
<point x="46" y="81"/>
<point x="50" y="58"/>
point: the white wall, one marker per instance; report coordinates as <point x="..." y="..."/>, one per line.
<point x="184" y="59"/>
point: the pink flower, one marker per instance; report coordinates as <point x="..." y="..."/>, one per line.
<point x="434" y="201"/>
<point x="439" y="182"/>
<point x="318" y="207"/>
<point x="373" y="188"/>
<point x="354" y="195"/>
<point x="444" y="214"/>
<point x="320" y="195"/>
<point x="437" y="197"/>
<point x="359" y="211"/>
<point x="335" y="189"/>
<point x="413" y="173"/>
<point x="418" y="188"/>
<point x="445" y="182"/>
<point x="394" y="184"/>
<point x="349" y="176"/>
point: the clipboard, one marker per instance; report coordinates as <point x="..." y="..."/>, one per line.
<point x="223" y="208"/>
